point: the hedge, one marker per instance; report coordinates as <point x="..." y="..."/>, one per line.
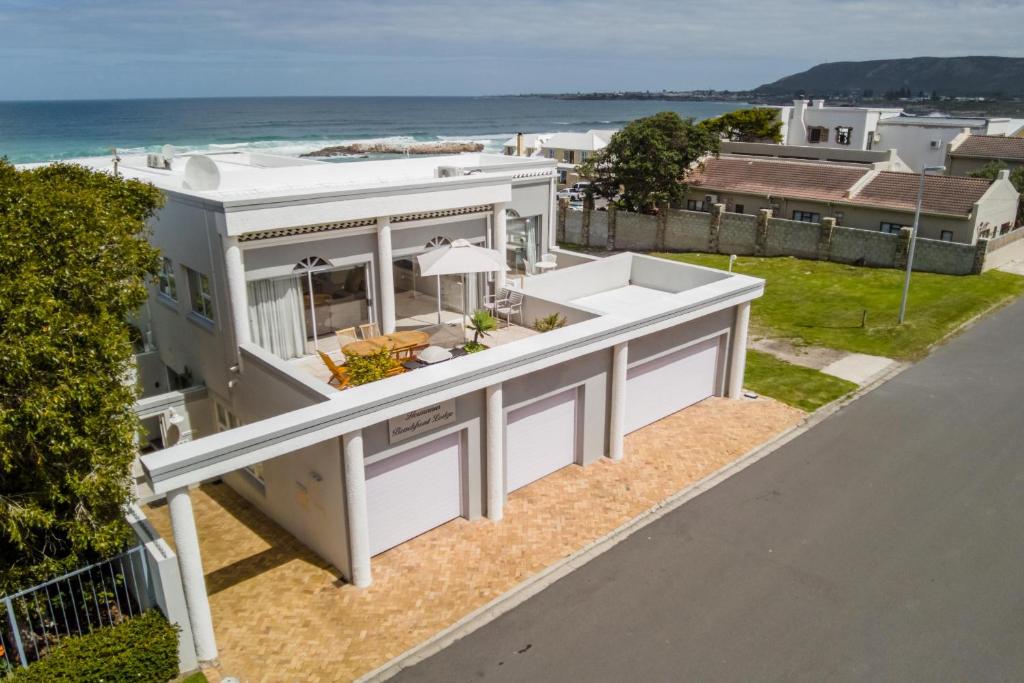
<point x="142" y="649"/>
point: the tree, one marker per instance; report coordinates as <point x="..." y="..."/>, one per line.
<point x="760" y="124"/>
<point x="990" y="171"/>
<point x="73" y="263"/>
<point x="646" y="163"/>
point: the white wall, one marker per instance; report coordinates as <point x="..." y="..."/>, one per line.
<point x="913" y="143"/>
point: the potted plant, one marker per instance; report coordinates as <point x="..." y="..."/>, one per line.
<point x="482" y="323"/>
<point x="366" y="369"/>
<point x="549" y="322"/>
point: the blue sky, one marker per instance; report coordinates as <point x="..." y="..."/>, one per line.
<point x="58" y="49"/>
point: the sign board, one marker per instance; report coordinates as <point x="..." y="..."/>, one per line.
<point x="421" y="421"/>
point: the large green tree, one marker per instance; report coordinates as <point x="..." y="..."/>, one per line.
<point x="990" y="171"/>
<point x="760" y="124"/>
<point x="646" y="163"/>
<point x="73" y="264"/>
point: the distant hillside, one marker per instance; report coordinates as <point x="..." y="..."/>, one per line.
<point x="948" y="76"/>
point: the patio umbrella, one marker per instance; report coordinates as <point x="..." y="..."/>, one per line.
<point x="459" y="258"/>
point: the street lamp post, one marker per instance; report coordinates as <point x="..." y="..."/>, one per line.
<point x="913" y="239"/>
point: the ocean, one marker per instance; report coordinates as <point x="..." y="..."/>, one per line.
<point x="43" y="131"/>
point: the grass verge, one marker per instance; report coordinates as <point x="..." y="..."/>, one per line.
<point x="823" y="304"/>
<point x="794" y="385"/>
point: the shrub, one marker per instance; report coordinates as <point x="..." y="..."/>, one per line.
<point x="549" y="322"/>
<point x="482" y="323"/>
<point x="142" y="649"/>
<point x="474" y="347"/>
<point x="366" y="369"/>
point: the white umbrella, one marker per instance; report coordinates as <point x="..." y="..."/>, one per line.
<point x="459" y="258"/>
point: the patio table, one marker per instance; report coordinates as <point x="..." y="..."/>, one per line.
<point x="368" y="347"/>
<point x="409" y="338"/>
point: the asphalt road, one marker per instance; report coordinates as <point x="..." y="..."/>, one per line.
<point x="887" y="543"/>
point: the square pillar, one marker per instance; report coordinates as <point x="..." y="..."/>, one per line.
<point x="738" y="352"/>
<point x="495" y="452"/>
<point x="355" y="509"/>
<point x="386" y="276"/>
<point x="499" y="239"/>
<point x="617" y="421"/>
<point x="190" y="564"/>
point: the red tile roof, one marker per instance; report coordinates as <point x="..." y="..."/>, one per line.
<point x="827" y="182"/>
<point x="942" y="194"/>
<point x="990" y="147"/>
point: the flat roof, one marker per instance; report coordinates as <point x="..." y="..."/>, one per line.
<point x="240" y="175"/>
<point x="627" y="300"/>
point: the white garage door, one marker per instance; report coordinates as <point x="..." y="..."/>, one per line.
<point x="664" y="385"/>
<point x="541" y="438"/>
<point x="413" y="492"/>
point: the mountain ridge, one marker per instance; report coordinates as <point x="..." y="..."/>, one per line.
<point x="972" y="76"/>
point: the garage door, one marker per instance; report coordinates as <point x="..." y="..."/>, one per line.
<point x="541" y="438"/>
<point x="664" y="385"/>
<point x="413" y="492"/>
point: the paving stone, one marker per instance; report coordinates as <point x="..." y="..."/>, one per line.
<point x="283" y="614"/>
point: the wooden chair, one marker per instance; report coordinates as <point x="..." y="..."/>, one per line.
<point x="403" y="353"/>
<point x="369" y="330"/>
<point x="346" y="335"/>
<point x="338" y="373"/>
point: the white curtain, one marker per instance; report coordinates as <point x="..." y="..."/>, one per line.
<point x="530" y="226"/>
<point x="276" y="318"/>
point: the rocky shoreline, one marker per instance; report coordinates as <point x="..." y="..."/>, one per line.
<point x="362" y="149"/>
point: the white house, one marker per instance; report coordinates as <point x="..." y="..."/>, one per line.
<point x="920" y="141"/>
<point x="265" y="258"/>
<point x="568" y="149"/>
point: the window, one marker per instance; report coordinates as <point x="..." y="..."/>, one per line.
<point x="549" y="153"/>
<point x="738" y="208"/>
<point x="693" y="205"/>
<point x="946" y="236"/>
<point x="201" y="294"/>
<point x="838" y="215"/>
<point x="168" y="287"/>
<point x="844" y="134"/>
<point x="816" y="134"/>
<point x="584" y="156"/>
<point x="807" y="217"/>
<point x="569" y="156"/>
<point x="891" y="228"/>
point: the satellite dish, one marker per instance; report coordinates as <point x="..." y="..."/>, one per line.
<point x="201" y="173"/>
<point x="170" y="427"/>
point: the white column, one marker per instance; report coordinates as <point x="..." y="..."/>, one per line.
<point x="738" y="353"/>
<point x="386" y="275"/>
<point x="495" y="453"/>
<point x="237" y="293"/>
<point x="617" y="423"/>
<point x="499" y="240"/>
<point x="190" y="564"/>
<point x="355" y="509"/>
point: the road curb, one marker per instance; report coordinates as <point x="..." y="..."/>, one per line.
<point x="538" y="582"/>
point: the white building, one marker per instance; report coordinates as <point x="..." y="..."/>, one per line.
<point x="919" y="141"/>
<point x="265" y="258"/>
<point x="568" y="149"/>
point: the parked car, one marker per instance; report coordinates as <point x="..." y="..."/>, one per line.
<point x="575" y="193"/>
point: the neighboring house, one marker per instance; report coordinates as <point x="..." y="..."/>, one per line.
<point x="568" y="149"/>
<point x="954" y="209"/>
<point x="265" y="258"/>
<point x="885" y="160"/>
<point x="970" y="153"/>
<point x="920" y="141"/>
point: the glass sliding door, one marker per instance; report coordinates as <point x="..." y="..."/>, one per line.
<point x="335" y="299"/>
<point x="523" y="243"/>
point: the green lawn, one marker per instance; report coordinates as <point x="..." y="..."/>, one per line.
<point x="795" y="385"/>
<point x="821" y="303"/>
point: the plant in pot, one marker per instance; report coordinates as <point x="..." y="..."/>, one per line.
<point x="549" y="322"/>
<point x="482" y="323"/>
<point x="366" y="369"/>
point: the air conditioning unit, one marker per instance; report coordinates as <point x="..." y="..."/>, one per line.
<point x="710" y="199"/>
<point x="450" y="171"/>
<point x="935" y="144"/>
<point x="160" y="161"/>
<point x="877" y="137"/>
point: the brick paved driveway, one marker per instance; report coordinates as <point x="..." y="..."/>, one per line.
<point x="282" y="614"/>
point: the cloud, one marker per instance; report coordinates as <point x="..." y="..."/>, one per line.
<point x="59" y="48"/>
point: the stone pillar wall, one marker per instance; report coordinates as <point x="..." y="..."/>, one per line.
<point x="980" y="252"/>
<point x="588" y="208"/>
<point x="563" y="209"/>
<point x="761" y="242"/>
<point x="903" y="248"/>
<point x="613" y="212"/>
<point x="715" y="227"/>
<point x="662" y="227"/>
<point x="828" y="229"/>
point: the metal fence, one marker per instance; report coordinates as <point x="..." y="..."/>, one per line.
<point x="35" y="620"/>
